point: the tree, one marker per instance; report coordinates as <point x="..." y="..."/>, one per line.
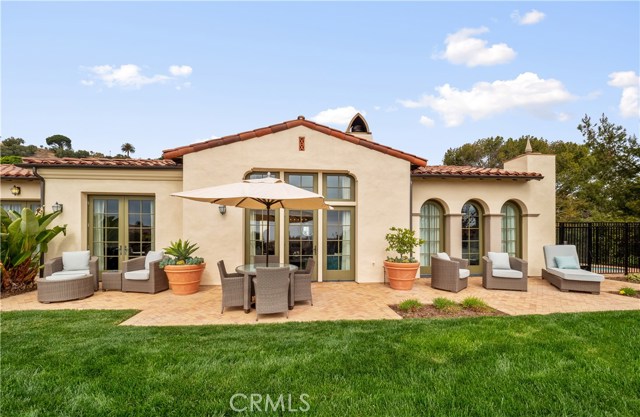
<point x="128" y="148"/>
<point x="60" y="142"/>
<point x="493" y="151"/>
<point x="16" y="147"/>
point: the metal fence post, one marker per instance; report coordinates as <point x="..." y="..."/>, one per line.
<point x="627" y="243"/>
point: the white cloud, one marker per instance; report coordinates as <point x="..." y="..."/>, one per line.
<point x="563" y="117"/>
<point x="484" y="99"/>
<point x="424" y="120"/>
<point x="180" y="70"/>
<point x="377" y="108"/>
<point x="464" y="48"/>
<point x="337" y="116"/>
<point x="130" y="76"/>
<point x="530" y="18"/>
<point x="630" y="84"/>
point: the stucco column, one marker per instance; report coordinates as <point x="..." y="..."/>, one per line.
<point x="453" y="234"/>
<point x="493" y="233"/>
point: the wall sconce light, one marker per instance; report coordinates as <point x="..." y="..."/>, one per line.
<point x="15" y="190"/>
<point x="57" y="207"/>
<point x="223" y="209"/>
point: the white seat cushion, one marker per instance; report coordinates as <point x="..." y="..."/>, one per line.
<point x="152" y="256"/>
<point x="80" y="272"/>
<point x="140" y="275"/>
<point x="75" y="261"/>
<point x="464" y="273"/>
<point x="576" y="274"/>
<point x="65" y="277"/>
<point x="506" y="273"/>
<point x="443" y="255"/>
<point x="500" y="260"/>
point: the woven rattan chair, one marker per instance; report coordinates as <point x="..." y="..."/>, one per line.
<point x="157" y="279"/>
<point x="301" y="285"/>
<point x="515" y="278"/>
<point x="232" y="288"/>
<point x="568" y="278"/>
<point x="272" y="291"/>
<point x="55" y="266"/>
<point x="449" y="274"/>
<point x="261" y="259"/>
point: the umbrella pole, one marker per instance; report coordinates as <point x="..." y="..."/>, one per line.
<point x="268" y="219"/>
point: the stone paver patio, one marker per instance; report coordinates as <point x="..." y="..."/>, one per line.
<point x="333" y="301"/>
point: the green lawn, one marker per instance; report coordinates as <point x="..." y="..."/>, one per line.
<point x="80" y="363"/>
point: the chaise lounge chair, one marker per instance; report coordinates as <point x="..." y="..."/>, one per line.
<point x="563" y="270"/>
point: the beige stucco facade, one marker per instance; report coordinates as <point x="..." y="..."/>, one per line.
<point x="73" y="186"/>
<point x="534" y="198"/>
<point x="382" y="194"/>
<point x="29" y="189"/>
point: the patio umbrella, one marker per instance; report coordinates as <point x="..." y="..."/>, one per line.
<point x="263" y="193"/>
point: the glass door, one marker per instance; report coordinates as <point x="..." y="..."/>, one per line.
<point x="339" y="244"/>
<point x="301" y="243"/>
<point x="472" y="247"/>
<point x="121" y="228"/>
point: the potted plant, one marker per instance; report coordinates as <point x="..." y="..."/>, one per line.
<point x="184" y="271"/>
<point x="402" y="269"/>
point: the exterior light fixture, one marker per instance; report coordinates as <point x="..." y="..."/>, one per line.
<point x="57" y="207"/>
<point x="15" y="190"/>
<point x="223" y="209"/>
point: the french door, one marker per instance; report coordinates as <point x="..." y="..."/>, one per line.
<point x="120" y="228"/>
<point x="339" y="251"/>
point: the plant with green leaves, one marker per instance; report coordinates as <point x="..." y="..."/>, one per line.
<point x="180" y="252"/>
<point x="409" y="305"/>
<point x="633" y="278"/>
<point x="446" y="304"/>
<point x="402" y="241"/>
<point x="628" y="291"/>
<point x="25" y="236"/>
<point x="475" y="304"/>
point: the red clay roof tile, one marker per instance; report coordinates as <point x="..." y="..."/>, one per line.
<point x="183" y="150"/>
<point x="100" y="162"/>
<point x="472" y="172"/>
<point x="12" y="171"/>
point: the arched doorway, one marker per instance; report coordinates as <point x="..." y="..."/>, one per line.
<point x="472" y="235"/>
<point x="432" y="232"/>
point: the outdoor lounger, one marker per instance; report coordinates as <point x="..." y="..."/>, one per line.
<point x="563" y="270"/>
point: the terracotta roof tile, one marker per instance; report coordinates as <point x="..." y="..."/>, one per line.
<point x="472" y="172"/>
<point x="12" y="171"/>
<point x="183" y="150"/>
<point x="100" y="162"/>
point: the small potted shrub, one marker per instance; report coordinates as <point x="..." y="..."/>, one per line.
<point x="184" y="271"/>
<point x="402" y="269"/>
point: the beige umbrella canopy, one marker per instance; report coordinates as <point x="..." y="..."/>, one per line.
<point x="263" y="193"/>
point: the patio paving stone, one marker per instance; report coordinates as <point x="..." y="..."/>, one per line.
<point x="333" y="301"/>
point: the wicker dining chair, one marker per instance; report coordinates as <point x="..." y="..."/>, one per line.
<point x="272" y="291"/>
<point x="301" y="285"/>
<point x="261" y="259"/>
<point x="232" y="288"/>
<point x="449" y="274"/>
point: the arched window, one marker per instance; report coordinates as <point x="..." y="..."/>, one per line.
<point x="432" y="232"/>
<point x="511" y="240"/>
<point x="472" y="247"/>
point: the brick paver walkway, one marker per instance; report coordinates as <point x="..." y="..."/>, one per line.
<point x="333" y="301"/>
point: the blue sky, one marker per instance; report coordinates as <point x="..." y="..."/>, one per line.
<point x="427" y="75"/>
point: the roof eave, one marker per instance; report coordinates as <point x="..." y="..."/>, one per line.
<point x="465" y="176"/>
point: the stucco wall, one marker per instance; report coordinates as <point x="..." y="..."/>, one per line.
<point x="382" y="194"/>
<point x="535" y="198"/>
<point x="73" y="186"/>
<point x="29" y="189"/>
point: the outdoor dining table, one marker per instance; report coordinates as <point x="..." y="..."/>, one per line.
<point x="249" y="271"/>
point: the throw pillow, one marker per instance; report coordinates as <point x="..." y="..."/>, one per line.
<point x="443" y="255"/>
<point x="566" y="262"/>
<point x="500" y="260"/>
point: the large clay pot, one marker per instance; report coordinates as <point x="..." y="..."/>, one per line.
<point x="184" y="279"/>
<point x="401" y="275"/>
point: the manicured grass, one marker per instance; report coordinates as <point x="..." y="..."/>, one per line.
<point x="80" y="363"/>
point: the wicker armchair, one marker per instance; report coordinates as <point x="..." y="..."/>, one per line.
<point x="301" y="285"/>
<point x="272" y="291"/>
<point x="261" y="259"/>
<point x="60" y="284"/>
<point x="232" y="288"/>
<point x="515" y="278"/>
<point x="449" y="274"/>
<point x="137" y="278"/>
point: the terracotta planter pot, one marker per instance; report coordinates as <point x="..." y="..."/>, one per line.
<point x="184" y="279"/>
<point x="401" y="275"/>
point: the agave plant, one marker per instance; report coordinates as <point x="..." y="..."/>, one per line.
<point x="25" y="237"/>
<point x="181" y="252"/>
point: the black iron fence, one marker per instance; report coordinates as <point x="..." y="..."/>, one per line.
<point x="604" y="248"/>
